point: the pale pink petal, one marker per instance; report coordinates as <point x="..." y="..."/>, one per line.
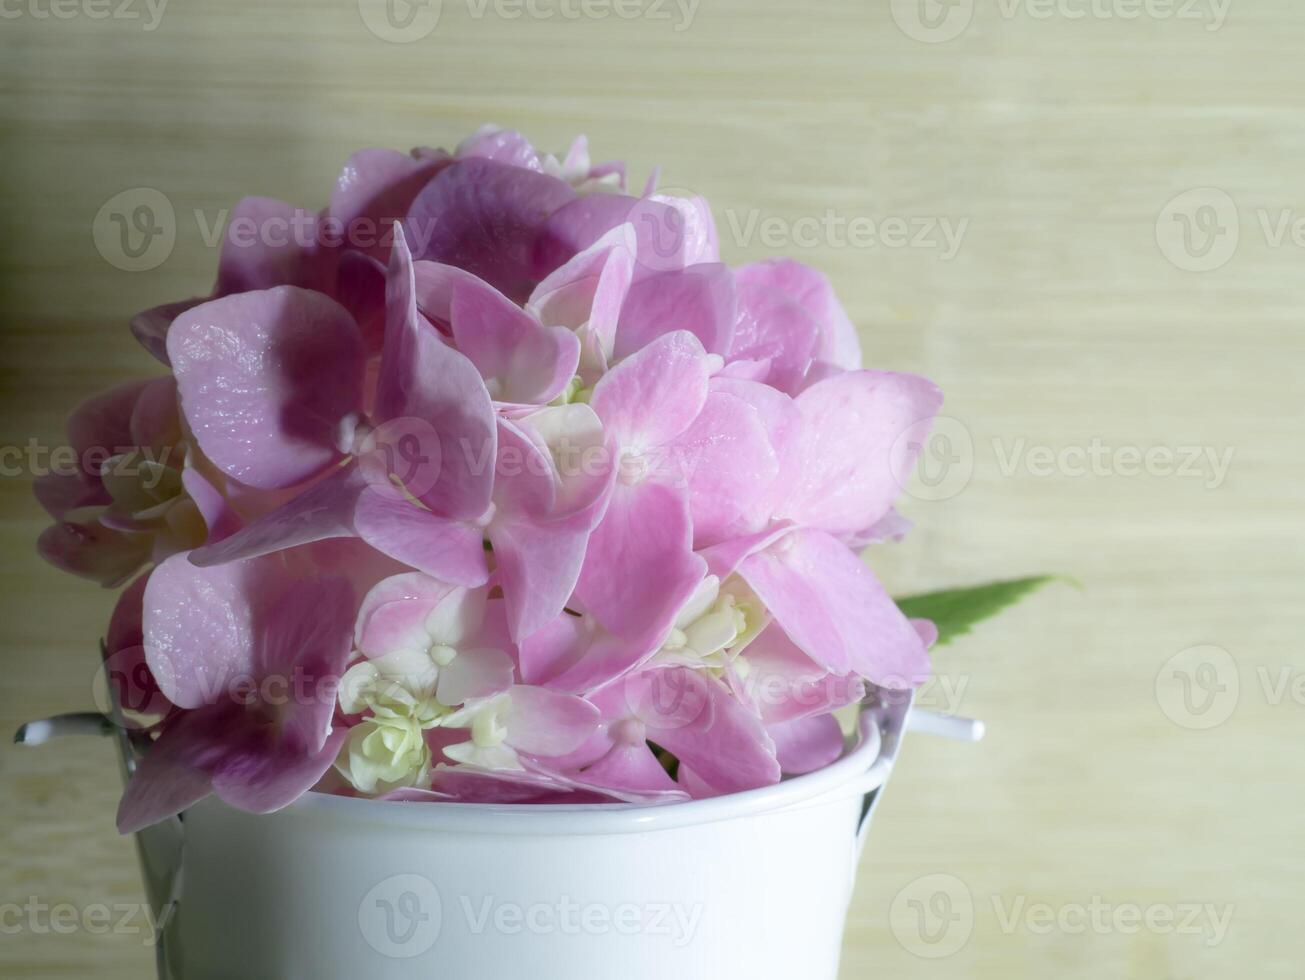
<point x="782" y="420"/>
<point x="485" y="217"/>
<point x="475" y="674"/>
<point x="832" y="606"/>
<point x="655" y="394"/>
<point x="501" y="145"/>
<point x="450" y="550"/>
<point x="265" y="380"/>
<point x="632" y="770"/>
<point x="546" y="723"/>
<point x="862" y="433"/>
<point x="807" y="744"/>
<point x="699" y="299"/>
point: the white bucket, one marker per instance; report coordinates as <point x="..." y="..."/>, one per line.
<point x="753" y="885"/>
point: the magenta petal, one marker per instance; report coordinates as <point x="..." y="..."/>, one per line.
<point x="544" y="722"/>
<point x="167" y="780"/>
<point x="452" y="551"/>
<point x="265" y="380"/>
<point x="270" y="243"/>
<point x="655" y="394"/>
<point x="150" y="327"/>
<point x="807" y="744"/>
<point x="863" y="432"/>
<point x="323" y="511"/>
<point x="699" y="299"/>
<point x="485" y="217"/>
<point x="832" y="606"/>
<point x="837" y="342"/>
<point x="360" y="288"/>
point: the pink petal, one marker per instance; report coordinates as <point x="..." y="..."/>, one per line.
<point x="640" y="568"/>
<point x="837" y="342"/>
<point x="655" y="394"/>
<point x="632" y="771"/>
<point x="726" y="746"/>
<point x="434" y="398"/>
<point x="325" y="510"/>
<point x="199" y="627"/>
<point x="807" y="744"/>
<point x="527" y="362"/>
<point x="699" y="299"/>
<point x="450" y="550"/>
<point x="774" y="327"/>
<point x="834" y="609"/>
<point x="156" y="419"/>
<point x="538" y="565"/>
<point x="544" y="722"/>
<point x="91" y="550"/>
<point x="861" y="439"/>
<point x="219" y="517"/>
<point x="393" y="614"/>
<point x="360" y="289"/>
<point x="100" y="427"/>
<point x="728" y="461"/>
<point x="485" y="217"/>
<point x="265" y="380"/>
<point x="784" y="684"/>
<point x="270" y="243"/>
<point x="263" y="782"/>
<point x="60" y="493"/>
<point x="501" y="145"/>
<point x="590" y="288"/>
<point x="150" y="327"/>
<point x="168" y="779"/>
<point x="373" y="191"/>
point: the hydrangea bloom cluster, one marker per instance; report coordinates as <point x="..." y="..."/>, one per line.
<point x="490" y="482"/>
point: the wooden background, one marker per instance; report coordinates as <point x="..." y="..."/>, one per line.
<point x="1065" y="324"/>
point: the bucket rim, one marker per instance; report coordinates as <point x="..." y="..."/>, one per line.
<point x="859" y="770"/>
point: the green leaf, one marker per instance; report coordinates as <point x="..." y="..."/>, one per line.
<point x="954" y="611"/>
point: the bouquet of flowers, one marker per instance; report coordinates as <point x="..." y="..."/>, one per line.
<point x="490" y="482"/>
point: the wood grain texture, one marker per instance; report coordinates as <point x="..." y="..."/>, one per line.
<point x="1056" y="143"/>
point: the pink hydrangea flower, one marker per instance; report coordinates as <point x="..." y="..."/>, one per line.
<point x="551" y="502"/>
